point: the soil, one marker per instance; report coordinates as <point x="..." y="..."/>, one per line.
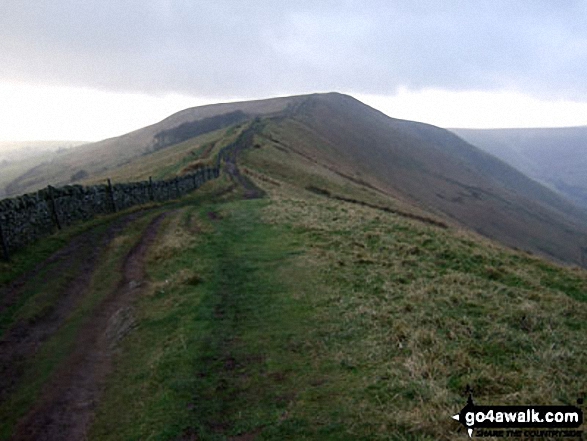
<point x="230" y="153"/>
<point x="21" y="341"/>
<point x="66" y="407"/>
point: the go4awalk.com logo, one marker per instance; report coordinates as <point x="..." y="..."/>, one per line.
<point x="521" y="421"/>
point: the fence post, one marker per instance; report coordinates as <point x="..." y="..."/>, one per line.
<point x="4" y="244"/>
<point x="53" y="206"/>
<point x="111" y="193"/>
<point x="151" y="195"/>
<point x="177" y="187"/>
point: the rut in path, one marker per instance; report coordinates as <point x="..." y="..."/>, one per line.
<point x="66" y="407"/>
<point x="22" y="340"/>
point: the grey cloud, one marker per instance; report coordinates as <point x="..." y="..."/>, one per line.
<point x="261" y="47"/>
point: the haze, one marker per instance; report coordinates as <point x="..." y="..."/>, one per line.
<point x="92" y="70"/>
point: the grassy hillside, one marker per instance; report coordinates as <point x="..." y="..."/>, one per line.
<point x="100" y="158"/>
<point x="425" y="167"/>
<point x="433" y="170"/>
<point x="326" y="310"/>
<point x="557" y="157"/>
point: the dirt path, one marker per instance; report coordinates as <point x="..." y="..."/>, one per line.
<point x="230" y="153"/>
<point x="22" y="340"/>
<point x="66" y="407"/>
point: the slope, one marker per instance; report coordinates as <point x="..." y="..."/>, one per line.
<point x="92" y="159"/>
<point x="557" y="157"/>
<point x="20" y="158"/>
<point x="422" y="168"/>
<point x="325" y="310"/>
<point x="434" y="170"/>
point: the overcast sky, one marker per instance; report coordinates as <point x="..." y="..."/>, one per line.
<point x="96" y="68"/>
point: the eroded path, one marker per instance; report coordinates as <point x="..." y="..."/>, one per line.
<point x="55" y="396"/>
<point x="75" y="263"/>
<point x="65" y="407"/>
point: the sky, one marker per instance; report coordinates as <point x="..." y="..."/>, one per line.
<point x="100" y="68"/>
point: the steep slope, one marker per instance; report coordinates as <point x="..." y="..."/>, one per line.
<point x="557" y="157"/>
<point x="435" y="170"/>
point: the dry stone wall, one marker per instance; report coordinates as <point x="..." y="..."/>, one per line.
<point x="29" y="217"/>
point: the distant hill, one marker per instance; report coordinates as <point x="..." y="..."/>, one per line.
<point x="332" y="138"/>
<point x="18" y="158"/>
<point x="96" y="158"/>
<point x="557" y="157"/>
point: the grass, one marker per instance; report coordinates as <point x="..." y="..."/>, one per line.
<point x="421" y="312"/>
<point x="37" y="371"/>
<point x="211" y="331"/>
<point x="303" y="317"/>
<point x="170" y="161"/>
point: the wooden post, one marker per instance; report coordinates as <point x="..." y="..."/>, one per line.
<point x="4" y="244"/>
<point x="111" y="193"/>
<point x="177" y="186"/>
<point x="151" y="195"/>
<point x="53" y="206"/>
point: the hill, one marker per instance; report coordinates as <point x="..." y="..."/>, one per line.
<point x="19" y="159"/>
<point x="325" y="309"/>
<point x="102" y="156"/>
<point x="556" y="157"/>
<point x="427" y="168"/>
<point x="435" y="170"/>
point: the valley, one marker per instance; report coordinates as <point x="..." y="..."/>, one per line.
<point x="553" y="156"/>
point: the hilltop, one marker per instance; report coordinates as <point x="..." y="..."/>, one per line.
<point x="318" y="289"/>
<point x="425" y="167"/>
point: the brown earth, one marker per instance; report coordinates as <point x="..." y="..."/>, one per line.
<point x="66" y="407"/>
<point x="68" y="401"/>
<point x="22" y="340"/>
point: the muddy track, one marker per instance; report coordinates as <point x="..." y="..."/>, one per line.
<point x="67" y="404"/>
<point x="20" y="342"/>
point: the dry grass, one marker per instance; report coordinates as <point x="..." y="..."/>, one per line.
<point x="417" y="313"/>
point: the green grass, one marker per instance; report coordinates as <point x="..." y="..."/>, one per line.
<point x="301" y="317"/>
<point x="170" y="161"/>
<point x="214" y="332"/>
<point x="36" y="372"/>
